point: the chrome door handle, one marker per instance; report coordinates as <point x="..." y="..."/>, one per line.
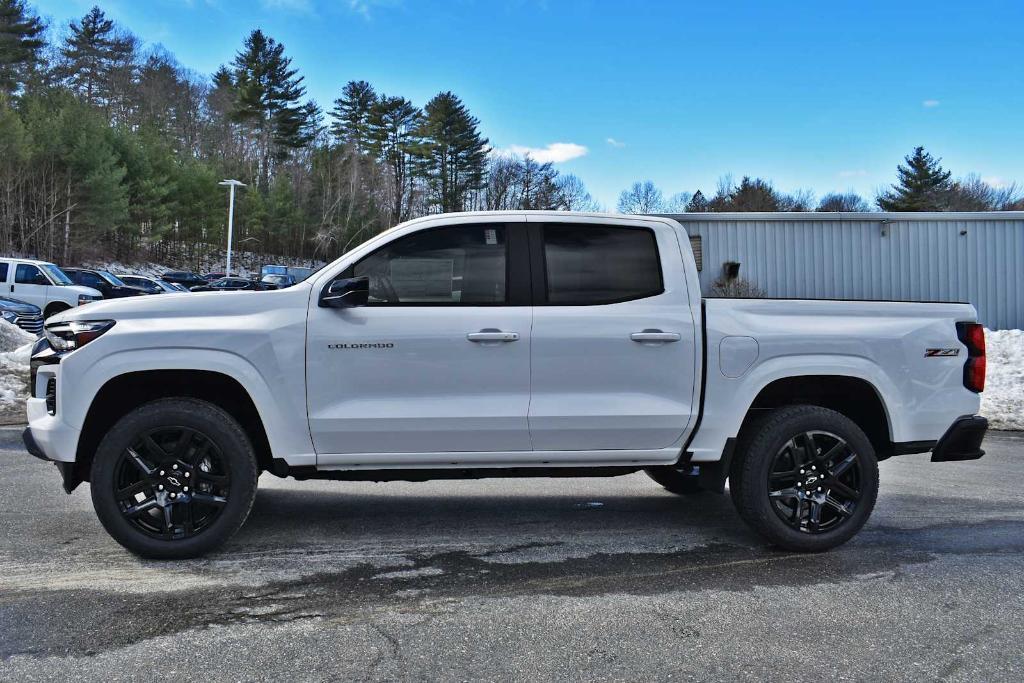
<point x="492" y="336"/>
<point x="655" y="336"/>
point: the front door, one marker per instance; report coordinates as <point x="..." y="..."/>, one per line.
<point x="438" y="362"/>
<point x="30" y="285"/>
<point x="614" y="342"/>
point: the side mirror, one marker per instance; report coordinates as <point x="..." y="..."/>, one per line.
<point x="346" y="293"/>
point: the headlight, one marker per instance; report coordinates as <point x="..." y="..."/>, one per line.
<point x="9" y="316"/>
<point x="83" y="299"/>
<point x="74" y="335"/>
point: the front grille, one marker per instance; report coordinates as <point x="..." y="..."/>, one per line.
<point x="30" y="323"/>
<point x="51" y="396"/>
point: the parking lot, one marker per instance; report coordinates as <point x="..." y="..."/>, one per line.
<point x="533" y="579"/>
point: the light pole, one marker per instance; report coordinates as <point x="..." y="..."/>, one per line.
<point x="231" y="217"/>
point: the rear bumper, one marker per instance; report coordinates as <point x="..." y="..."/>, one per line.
<point x="962" y="441"/>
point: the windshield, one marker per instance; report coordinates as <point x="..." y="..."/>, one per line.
<point x="57" y="276"/>
<point x="111" y="278"/>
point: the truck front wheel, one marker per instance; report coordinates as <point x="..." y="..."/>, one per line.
<point x="807" y="478"/>
<point x="174" y="478"/>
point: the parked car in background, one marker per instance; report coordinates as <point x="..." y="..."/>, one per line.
<point x="108" y="284"/>
<point x="43" y="284"/>
<point x="230" y="284"/>
<point x="26" y="316"/>
<point x="151" y="285"/>
<point x="210" y="277"/>
<point x="182" y="277"/>
<point x="275" y="281"/>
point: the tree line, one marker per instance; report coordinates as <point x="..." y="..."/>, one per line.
<point x="922" y="184"/>
<point x="112" y="149"/>
<point x="109" y="149"/>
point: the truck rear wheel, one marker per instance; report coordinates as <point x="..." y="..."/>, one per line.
<point x="174" y="478"/>
<point x="807" y="479"/>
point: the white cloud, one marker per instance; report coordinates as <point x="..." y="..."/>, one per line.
<point x="995" y="181"/>
<point x="615" y="143"/>
<point x="853" y="173"/>
<point x="556" y="152"/>
<point x="930" y="104"/>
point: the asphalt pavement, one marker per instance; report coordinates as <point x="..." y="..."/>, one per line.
<point x="529" y="579"/>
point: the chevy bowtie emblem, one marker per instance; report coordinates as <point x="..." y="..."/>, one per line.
<point x="174" y="481"/>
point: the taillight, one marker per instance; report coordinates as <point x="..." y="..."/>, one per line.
<point x="973" y="337"/>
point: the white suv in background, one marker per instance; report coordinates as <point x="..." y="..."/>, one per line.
<point x="43" y="284"/>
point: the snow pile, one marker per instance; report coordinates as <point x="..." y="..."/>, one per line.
<point x="1003" y="400"/>
<point x="15" y="349"/>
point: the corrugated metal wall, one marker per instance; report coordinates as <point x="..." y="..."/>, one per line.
<point x="975" y="257"/>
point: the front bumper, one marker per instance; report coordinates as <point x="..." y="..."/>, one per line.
<point x="67" y="469"/>
<point x="962" y="441"/>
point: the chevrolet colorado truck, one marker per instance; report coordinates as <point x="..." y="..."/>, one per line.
<point x="510" y="344"/>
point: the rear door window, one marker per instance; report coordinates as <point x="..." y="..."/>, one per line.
<point x="586" y="265"/>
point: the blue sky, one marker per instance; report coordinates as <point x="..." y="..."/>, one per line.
<point x="810" y="94"/>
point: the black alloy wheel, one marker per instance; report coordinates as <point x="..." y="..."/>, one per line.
<point x="814" y="482"/>
<point x="804" y="477"/>
<point x="174" y="478"/>
<point x="171" y="483"/>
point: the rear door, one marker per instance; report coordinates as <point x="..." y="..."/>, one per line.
<point x="30" y="284"/>
<point x="614" y="346"/>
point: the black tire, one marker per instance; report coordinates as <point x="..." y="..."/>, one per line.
<point x="216" y="457"/>
<point x="54" y="309"/>
<point x="778" y="465"/>
<point x="681" y="481"/>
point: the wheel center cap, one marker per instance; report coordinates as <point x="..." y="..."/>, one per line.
<point x="812" y="479"/>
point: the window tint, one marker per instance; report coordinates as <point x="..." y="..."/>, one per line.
<point x="598" y="265"/>
<point x="457" y="265"/>
<point x="3" y="272"/>
<point x="27" y="274"/>
<point x="89" y="280"/>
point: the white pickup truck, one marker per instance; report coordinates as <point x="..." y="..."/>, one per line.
<point x="500" y="345"/>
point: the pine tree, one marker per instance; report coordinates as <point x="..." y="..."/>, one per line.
<point x="453" y="153"/>
<point x="698" y="203"/>
<point x="392" y="137"/>
<point x="351" y="115"/>
<point x="268" y="101"/>
<point x="922" y="186"/>
<point x="20" y="43"/>
<point x="94" y="51"/>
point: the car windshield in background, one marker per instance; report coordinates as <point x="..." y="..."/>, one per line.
<point x="57" y="276"/>
<point x="111" y="278"/>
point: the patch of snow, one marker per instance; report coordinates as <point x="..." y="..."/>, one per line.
<point x="1002" y="402"/>
<point x="15" y="349"/>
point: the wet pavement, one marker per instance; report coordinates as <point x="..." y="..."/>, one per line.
<point x="531" y="579"/>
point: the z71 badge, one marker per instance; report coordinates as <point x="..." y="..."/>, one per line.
<point x="935" y="353"/>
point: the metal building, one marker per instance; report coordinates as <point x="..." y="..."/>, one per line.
<point x="974" y="257"/>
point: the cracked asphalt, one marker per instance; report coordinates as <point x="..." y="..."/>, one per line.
<point x="531" y="579"/>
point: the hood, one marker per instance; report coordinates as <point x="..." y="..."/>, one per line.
<point x="191" y="305"/>
<point x="22" y="307"/>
